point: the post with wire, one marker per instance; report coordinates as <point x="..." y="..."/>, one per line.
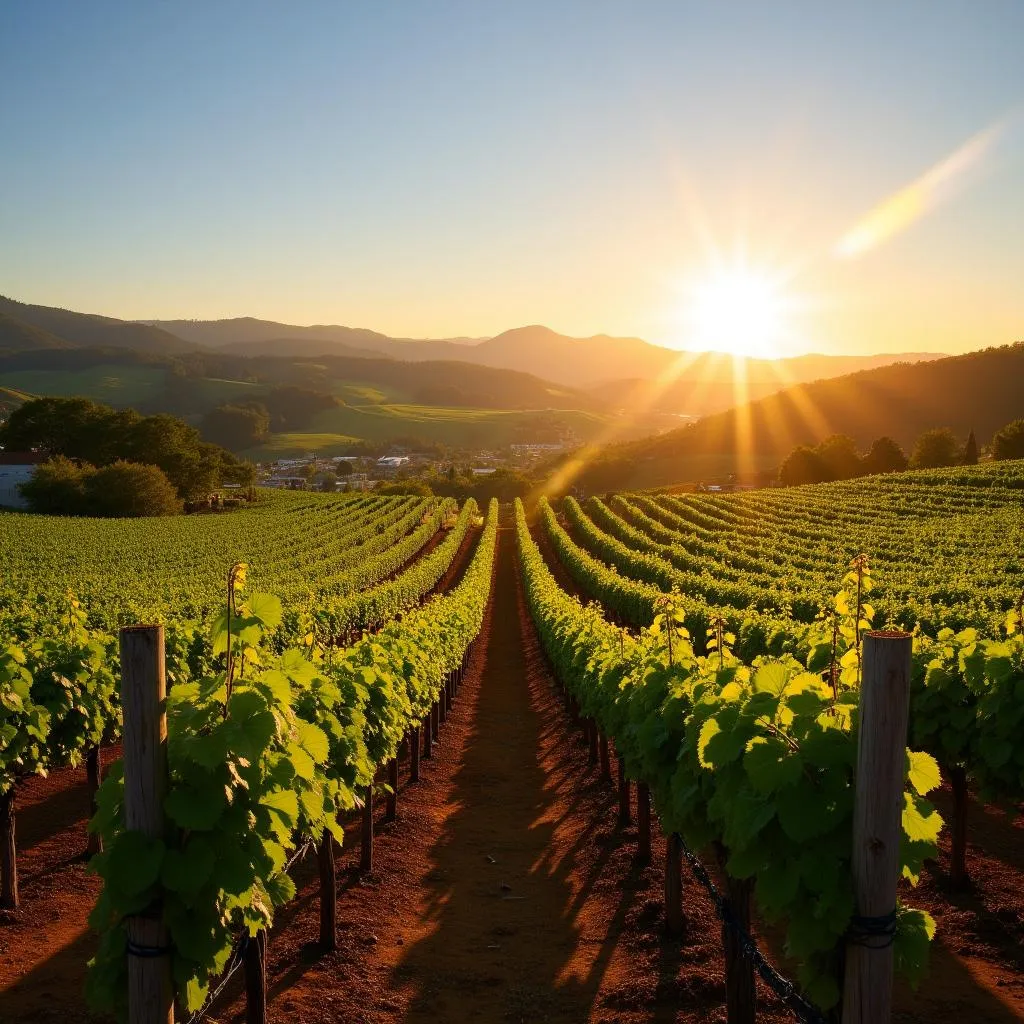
<point x="878" y="803"/>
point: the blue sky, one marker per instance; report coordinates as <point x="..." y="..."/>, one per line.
<point x="435" y="169"/>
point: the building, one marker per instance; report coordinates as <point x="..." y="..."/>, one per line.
<point x="16" y="468"/>
<point x="389" y="465"/>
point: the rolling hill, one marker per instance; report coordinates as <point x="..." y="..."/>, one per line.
<point x="980" y="391"/>
<point x="85" y="329"/>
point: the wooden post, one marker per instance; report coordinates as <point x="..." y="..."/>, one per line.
<point x="442" y="708"/>
<point x="435" y="722"/>
<point x="877" y="810"/>
<point x="391" y="807"/>
<point x="143" y="703"/>
<point x="675" y="921"/>
<point x="625" y="813"/>
<point x="449" y="692"/>
<point x="255" y="979"/>
<point x="958" y="876"/>
<point x="606" y="764"/>
<point x="592" y="740"/>
<point x="428" y="737"/>
<point x="366" y="853"/>
<point x="328" y="894"/>
<point x="414" y="754"/>
<point x="740" y="985"/>
<point x="8" y="852"/>
<point x="93" y="773"/>
<point x="643" y="821"/>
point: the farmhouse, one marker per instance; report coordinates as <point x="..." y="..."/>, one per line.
<point x="16" y="468"/>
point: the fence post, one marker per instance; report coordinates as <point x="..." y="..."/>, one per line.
<point x="93" y="773"/>
<point x="366" y="853"/>
<point x="606" y="764"/>
<point x="740" y="984"/>
<point x="143" y="700"/>
<point x="255" y="979"/>
<point x="625" y="814"/>
<point x="414" y="754"/>
<point x="9" y="854"/>
<point x="391" y="808"/>
<point x="328" y="894"/>
<point x="675" y="920"/>
<point x="877" y="809"/>
<point x="643" y="821"/>
<point x="428" y="735"/>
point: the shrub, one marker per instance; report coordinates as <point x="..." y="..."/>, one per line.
<point x="1008" y="443"/>
<point x="130" y="489"/>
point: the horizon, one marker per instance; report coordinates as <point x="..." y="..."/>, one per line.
<point x="596" y="170"/>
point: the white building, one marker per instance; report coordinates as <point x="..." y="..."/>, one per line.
<point x="16" y="468"/>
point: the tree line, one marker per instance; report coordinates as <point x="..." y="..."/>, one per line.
<point x="116" y="462"/>
<point x="837" y="457"/>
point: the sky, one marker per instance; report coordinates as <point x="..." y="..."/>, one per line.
<point x="436" y="169"/>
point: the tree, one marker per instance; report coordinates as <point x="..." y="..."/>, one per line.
<point x="1008" y="443"/>
<point x="57" y="488"/>
<point x="130" y="489"/>
<point x="839" y="456"/>
<point x="236" y="427"/>
<point x="343" y="468"/>
<point x="935" y="448"/>
<point x="971" y="450"/>
<point x="98" y="435"/>
<point x="885" y="456"/>
<point x="327" y="482"/>
<point x="803" y="465"/>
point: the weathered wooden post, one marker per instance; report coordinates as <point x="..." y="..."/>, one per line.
<point x="366" y="851"/>
<point x="143" y="700"/>
<point x="643" y="821"/>
<point x="255" y="979"/>
<point x="606" y="764"/>
<point x="675" y="920"/>
<point x="328" y="894"/>
<point x="414" y="754"/>
<point x="428" y="735"/>
<point x="93" y="773"/>
<point x="740" y="983"/>
<point x="9" y="852"/>
<point x="391" y="806"/>
<point x="877" y="811"/>
<point x="442" y="707"/>
<point x="625" y="812"/>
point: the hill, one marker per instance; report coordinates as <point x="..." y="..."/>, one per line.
<point x="710" y="382"/>
<point x="84" y="329"/>
<point x="18" y="336"/>
<point x="980" y="391"/>
<point x="700" y="382"/>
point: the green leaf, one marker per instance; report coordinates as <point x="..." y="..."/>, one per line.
<point x="194" y="808"/>
<point x="771" y="678"/>
<point x="267" y="608"/>
<point x="923" y="771"/>
<point x="921" y="822"/>
<point x="770" y="763"/>
<point x="135" y="862"/>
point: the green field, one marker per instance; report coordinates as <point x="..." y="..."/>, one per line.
<point x="114" y="384"/>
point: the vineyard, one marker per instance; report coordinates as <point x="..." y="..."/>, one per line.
<point x="795" y="718"/>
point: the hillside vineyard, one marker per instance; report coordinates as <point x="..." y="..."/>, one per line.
<point x="713" y="642"/>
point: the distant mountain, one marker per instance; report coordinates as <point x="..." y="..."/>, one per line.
<point x="980" y="391"/>
<point x="249" y="336"/>
<point x="700" y="382"/>
<point x="90" y="330"/>
<point x="18" y="336"/>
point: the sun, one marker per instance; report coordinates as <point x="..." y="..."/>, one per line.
<point x="738" y="310"/>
